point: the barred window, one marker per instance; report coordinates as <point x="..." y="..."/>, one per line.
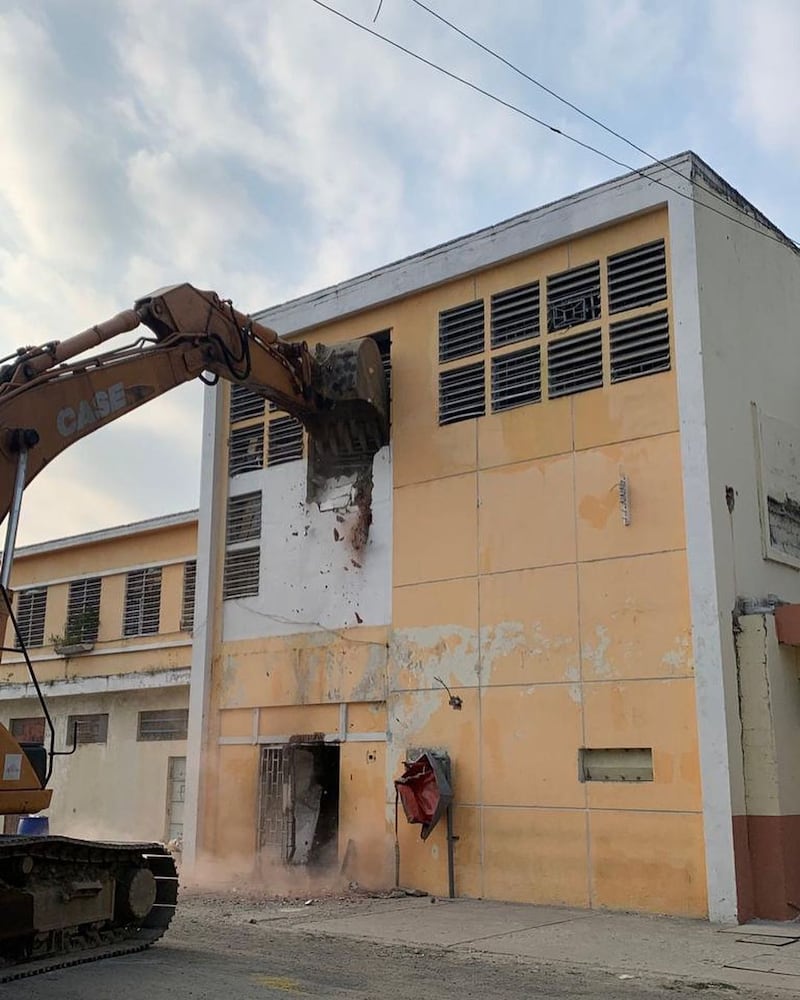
<point x="189" y="586"/>
<point x="142" y="602"/>
<point x="83" y="610"/>
<point x="31" y="608"/>
<point x="30" y="730"/>
<point x="246" y="450"/>
<point x="284" y="440"/>
<point x="240" y="575"/>
<point x="245" y="403"/>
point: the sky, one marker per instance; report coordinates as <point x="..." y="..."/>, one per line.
<point x="268" y="149"/>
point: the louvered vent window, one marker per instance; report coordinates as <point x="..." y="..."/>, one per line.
<point x="240" y="576"/>
<point x="461" y="331"/>
<point x="30" y="730"/>
<point x="573" y="297"/>
<point x="516" y="379"/>
<point x="637" y="277"/>
<point x="244" y="518"/>
<point x="575" y="364"/>
<point x="640" y="346"/>
<point x="462" y="393"/>
<point x="246" y="450"/>
<point x="88" y="728"/>
<point x="245" y="403"/>
<point x="163" y="724"/>
<point x="384" y="342"/>
<point x="31" y="608"/>
<point x="189" y="586"/>
<point x="515" y="314"/>
<point x="142" y="602"/>
<point x="83" y="610"/>
<point x="285" y="440"/>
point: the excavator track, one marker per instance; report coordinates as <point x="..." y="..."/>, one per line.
<point x="53" y="864"/>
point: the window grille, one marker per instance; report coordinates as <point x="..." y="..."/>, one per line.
<point x="244" y="518"/>
<point x="462" y="393"/>
<point x="83" y="610"/>
<point x="31" y="608"/>
<point x="515" y="314"/>
<point x="163" y="724"/>
<point x="575" y="364"/>
<point x="29" y="730"/>
<point x="573" y="297"/>
<point x="516" y="379"/>
<point x="461" y="331"/>
<point x="285" y="440"/>
<point x="640" y="346"/>
<point x="637" y="277"/>
<point x="245" y="403"/>
<point x="91" y="728"/>
<point x="246" y="450"/>
<point x="189" y="586"/>
<point x="240" y="575"/>
<point x="142" y="602"/>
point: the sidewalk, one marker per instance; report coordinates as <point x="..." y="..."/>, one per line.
<point x="760" y="956"/>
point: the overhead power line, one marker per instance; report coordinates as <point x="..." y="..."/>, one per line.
<point x="552" y="128"/>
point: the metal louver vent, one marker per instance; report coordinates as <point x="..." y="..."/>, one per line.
<point x="189" y="588"/>
<point x="637" y="277"/>
<point x="245" y="403"/>
<point x="461" y="331"/>
<point x="515" y="314"/>
<point x="142" y="602"/>
<point x="516" y="379"/>
<point x="384" y="342"/>
<point x="163" y="724"/>
<point x="462" y="393"/>
<point x="575" y="364"/>
<point x="244" y="518"/>
<point x="246" y="451"/>
<point x="83" y="610"/>
<point x="573" y="297"/>
<point x="240" y="576"/>
<point x="88" y="728"/>
<point x="285" y="440"/>
<point x="640" y="346"/>
<point x="31" y="608"/>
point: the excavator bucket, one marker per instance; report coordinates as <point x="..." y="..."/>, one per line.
<point x="353" y="422"/>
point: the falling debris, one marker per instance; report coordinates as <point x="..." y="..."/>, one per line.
<point x="359" y="619"/>
<point x="336" y="535"/>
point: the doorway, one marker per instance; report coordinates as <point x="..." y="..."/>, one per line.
<point x="299" y="804"/>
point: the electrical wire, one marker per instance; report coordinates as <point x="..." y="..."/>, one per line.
<point x="779" y="237"/>
<point x="552" y="93"/>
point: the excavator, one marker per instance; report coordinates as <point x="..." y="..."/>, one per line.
<point x="64" y="901"/>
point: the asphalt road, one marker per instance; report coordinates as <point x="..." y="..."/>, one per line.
<point x="212" y="952"/>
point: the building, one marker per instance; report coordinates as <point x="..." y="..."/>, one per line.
<point x="107" y="619"/>
<point x="582" y="528"/>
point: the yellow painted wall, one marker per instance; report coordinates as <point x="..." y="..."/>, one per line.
<point x="110" y="558"/>
<point x="517" y="583"/>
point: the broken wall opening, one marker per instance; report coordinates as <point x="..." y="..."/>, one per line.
<point x="299" y="804"/>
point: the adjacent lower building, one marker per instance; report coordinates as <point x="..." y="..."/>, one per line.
<point x="106" y="618"/>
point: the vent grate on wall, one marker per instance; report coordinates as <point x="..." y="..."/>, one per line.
<point x="142" y="602"/>
<point x="245" y="403"/>
<point x="515" y="314"/>
<point x="640" y="346"/>
<point x="189" y="589"/>
<point x="630" y="764"/>
<point x="462" y="393"/>
<point x="83" y="609"/>
<point x="246" y="450"/>
<point x="244" y="518"/>
<point x="163" y="724"/>
<point x="284" y="441"/>
<point x="461" y="331"/>
<point x="88" y="728"/>
<point x="240" y="576"/>
<point x="637" y="277"/>
<point x="28" y="730"/>
<point x="575" y="364"/>
<point x="573" y="297"/>
<point x="31" y="609"/>
<point x="516" y="379"/>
